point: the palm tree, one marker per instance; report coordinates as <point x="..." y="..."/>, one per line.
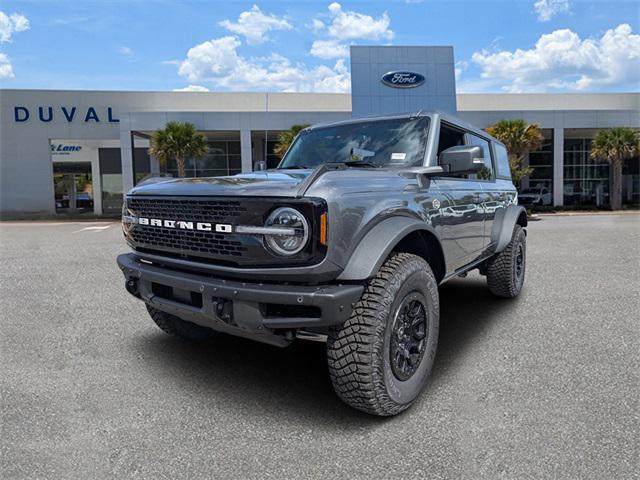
<point x="520" y="139"/>
<point x="178" y="141"/>
<point x="286" y="138"/>
<point x="615" y="145"/>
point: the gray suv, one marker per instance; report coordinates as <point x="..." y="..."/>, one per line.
<point x="346" y="241"/>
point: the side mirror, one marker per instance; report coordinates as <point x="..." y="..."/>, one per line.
<point x="462" y="159"/>
<point x="259" y="166"/>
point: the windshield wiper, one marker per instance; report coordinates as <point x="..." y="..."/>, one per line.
<point x="294" y="167"/>
<point x="361" y="163"/>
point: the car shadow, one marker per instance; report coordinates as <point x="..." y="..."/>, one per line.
<point x="234" y="371"/>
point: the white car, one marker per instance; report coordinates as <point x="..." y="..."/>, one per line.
<point x="535" y="196"/>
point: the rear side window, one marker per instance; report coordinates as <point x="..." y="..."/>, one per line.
<point x="502" y="161"/>
<point x="487" y="171"/>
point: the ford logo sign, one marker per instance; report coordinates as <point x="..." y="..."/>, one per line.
<point x="402" y="79"/>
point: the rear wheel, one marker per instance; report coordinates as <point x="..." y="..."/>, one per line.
<point x="505" y="271"/>
<point x="180" y="328"/>
<point x="380" y="358"/>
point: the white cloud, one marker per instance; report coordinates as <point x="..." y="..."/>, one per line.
<point x="218" y="61"/>
<point x="460" y="67"/>
<point x="349" y="25"/>
<point x="345" y="26"/>
<point x="192" y="88"/>
<point x="547" y="9"/>
<point x="126" y="51"/>
<point x="316" y="25"/>
<point x="328" y="49"/>
<point x="562" y="60"/>
<point x="6" y="70"/>
<point x="254" y="25"/>
<point x="213" y="58"/>
<point x="10" y="24"/>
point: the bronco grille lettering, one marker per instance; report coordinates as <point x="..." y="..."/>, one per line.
<point x="184" y="225"/>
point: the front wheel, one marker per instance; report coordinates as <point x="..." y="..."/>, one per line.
<point x="380" y="358"/>
<point x="505" y="271"/>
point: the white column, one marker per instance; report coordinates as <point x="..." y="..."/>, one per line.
<point x="245" y="150"/>
<point x="558" y="166"/>
<point x="96" y="181"/>
<point x="154" y="166"/>
<point x="126" y="154"/>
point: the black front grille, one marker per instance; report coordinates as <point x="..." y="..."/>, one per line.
<point x="217" y="211"/>
<point x="209" y="246"/>
<point x="187" y="241"/>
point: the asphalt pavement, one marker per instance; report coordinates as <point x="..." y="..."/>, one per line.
<point x="544" y="386"/>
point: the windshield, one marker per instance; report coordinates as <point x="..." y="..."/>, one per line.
<point x="399" y="142"/>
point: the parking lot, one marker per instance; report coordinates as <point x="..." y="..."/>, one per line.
<point x="545" y="386"/>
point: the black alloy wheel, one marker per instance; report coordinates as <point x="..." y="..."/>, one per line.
<point x="409" y="336"/>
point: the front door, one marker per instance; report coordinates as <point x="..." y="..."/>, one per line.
<point x="461" y="219"/>
<point x="461" y="212"/>
<point x="72" y="184"/>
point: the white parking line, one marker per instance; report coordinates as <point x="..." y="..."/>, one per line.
<point x="94" y="229"/>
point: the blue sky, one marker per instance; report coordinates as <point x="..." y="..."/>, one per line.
<point x="500" y="46"/>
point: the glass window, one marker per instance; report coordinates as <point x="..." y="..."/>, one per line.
<point x="383" y="143"/>
<point x="234" y="148"/>
<point x="541" y="162"/>
<point x="486" y="173"/>
<point x="451" y="137"/>
<point x="222" y="159"/>
<point x="586" y="181"/>
<point x="235" y="163"/>
<point x="502" y="160"/>
<point x="218" y="148"/>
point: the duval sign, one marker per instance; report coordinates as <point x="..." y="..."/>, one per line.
<point x="47" y="114"/>
<point x="402" y="79"/>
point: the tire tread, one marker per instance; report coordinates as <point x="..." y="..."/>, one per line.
<point x="353" y="349"/>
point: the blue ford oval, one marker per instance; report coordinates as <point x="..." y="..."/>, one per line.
<point x="401" y="79"/>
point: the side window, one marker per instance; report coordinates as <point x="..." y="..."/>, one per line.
<point x="449" y="137"/>
<point x="486" y="173"/>
<point x="502" y="161"/>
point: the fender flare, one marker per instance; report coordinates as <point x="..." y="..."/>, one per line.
<point x="503" y="224"/>
<point x="377" y="244"/>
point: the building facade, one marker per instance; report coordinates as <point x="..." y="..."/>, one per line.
<point x="78" y="151"/>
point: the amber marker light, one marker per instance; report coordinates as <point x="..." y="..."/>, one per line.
<point x="323" y="228"/>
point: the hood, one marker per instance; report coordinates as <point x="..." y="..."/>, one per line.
<point x="281" y="183"/>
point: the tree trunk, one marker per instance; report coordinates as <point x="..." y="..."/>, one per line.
<point x="180" y="163"/>
<point x="616" y="193"/>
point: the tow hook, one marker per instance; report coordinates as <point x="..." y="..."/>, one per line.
<point x="131" y="284"/>
<point x="224" y="310"/>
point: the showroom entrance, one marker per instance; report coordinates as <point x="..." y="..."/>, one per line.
<point x="73" y="176"/>
<point x="73" y="187"/>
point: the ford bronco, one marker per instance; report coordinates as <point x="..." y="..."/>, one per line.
<point x="346" y="241"/>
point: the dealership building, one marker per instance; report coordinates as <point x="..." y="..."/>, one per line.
<point x="78" y="151"/>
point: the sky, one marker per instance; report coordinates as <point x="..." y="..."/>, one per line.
<point x="161" y="45"/>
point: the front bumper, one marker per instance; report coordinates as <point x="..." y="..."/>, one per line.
<point x="260" y="311"/>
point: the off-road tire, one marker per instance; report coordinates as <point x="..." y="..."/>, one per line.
<point x="502" y="269"/>
<point x="359" y="351"/>
<point x="180" y="328"/>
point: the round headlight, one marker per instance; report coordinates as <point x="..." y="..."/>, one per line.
<point x="287" y="244"/>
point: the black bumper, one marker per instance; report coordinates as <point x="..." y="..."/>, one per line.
<point x="239" y="308"/>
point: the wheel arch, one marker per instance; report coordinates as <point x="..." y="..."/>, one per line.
<point x="398" y="234"/>
<point x="504" y="223"/>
